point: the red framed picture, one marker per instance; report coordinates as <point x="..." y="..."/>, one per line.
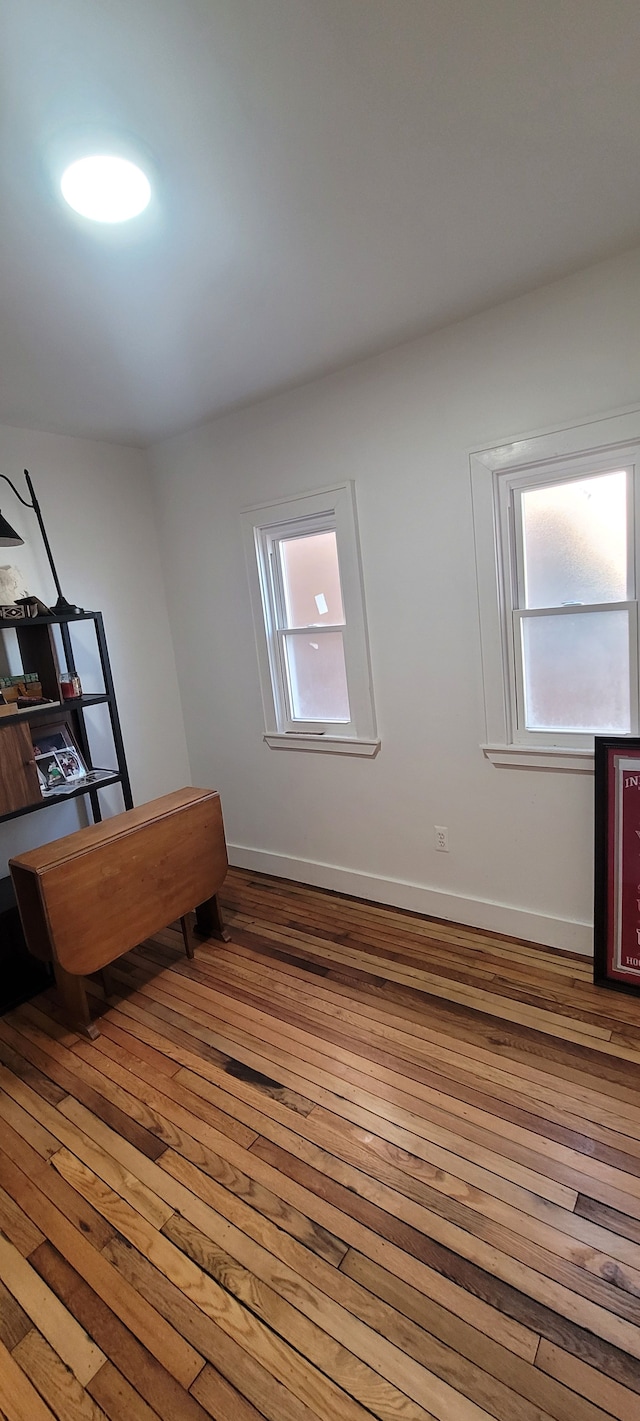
<point x="616" y="957"/>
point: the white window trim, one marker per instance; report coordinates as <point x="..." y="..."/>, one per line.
<point x="333" y="744"/>
<point x="259" y="523"/>
<point x="615" y="437"/>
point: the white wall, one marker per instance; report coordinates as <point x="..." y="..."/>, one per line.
<point x="97" y="508"/>
<point x="401" y="425"/>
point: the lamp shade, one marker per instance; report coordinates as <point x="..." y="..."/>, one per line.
<point x="8" y="536"/>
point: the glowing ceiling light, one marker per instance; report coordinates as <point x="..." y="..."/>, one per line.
<point x="106" y="188"/>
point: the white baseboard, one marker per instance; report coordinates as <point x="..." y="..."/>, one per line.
<point x="455" y="907"/>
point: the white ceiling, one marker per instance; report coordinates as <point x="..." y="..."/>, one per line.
<point x="332" y="177"/>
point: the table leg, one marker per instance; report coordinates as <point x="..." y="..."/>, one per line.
<point x="109" y="983"/>
<point x="185" y="924"/>
<point x="209" y="920"/>
<point x="74" y="1000"/>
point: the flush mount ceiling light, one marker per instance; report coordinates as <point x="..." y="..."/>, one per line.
<point x="106" y="188"/>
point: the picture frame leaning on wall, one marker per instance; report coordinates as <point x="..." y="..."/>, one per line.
<point x="616" y="945"/>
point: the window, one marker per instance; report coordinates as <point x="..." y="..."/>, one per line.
<point x="556" y="556"/>
<point x="304" y="572"/>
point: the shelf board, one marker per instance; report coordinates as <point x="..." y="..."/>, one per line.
<point x="111" y="777"/>
<point x="25" y="711"/>
<point x="89" y="700"/>
<point x="49" y="620"/>
<point x="68" y="702"/>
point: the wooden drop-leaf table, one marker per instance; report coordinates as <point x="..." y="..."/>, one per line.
<point x="86" y="899"/>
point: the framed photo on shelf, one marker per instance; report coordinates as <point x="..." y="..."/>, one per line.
<point x="71" y="763"/>
<point x="616" y="957"/>
<point x="52" y="738"/>
<point x="50" y="773"/>
<point x="59" y="763"/>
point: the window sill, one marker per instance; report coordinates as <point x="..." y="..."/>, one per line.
<point x="330" y="744"/>
<point x="540" y="757"/>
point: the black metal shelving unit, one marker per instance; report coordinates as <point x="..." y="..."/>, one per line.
<point x="22" y="976"/>
<point x="37" y="647"/>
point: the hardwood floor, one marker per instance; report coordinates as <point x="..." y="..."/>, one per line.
<point x="352" y="1163"/>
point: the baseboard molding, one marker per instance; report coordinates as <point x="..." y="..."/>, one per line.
<point x="455" y="907"/>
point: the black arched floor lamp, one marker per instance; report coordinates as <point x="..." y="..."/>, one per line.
<point x="10" y="539"/>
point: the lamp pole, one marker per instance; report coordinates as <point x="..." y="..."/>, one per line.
<point x="62" y="606"/>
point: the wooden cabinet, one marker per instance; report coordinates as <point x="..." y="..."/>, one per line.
<point x="19" y="785"/>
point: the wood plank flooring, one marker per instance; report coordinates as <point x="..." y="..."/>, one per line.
<point x="354" y="1163"/>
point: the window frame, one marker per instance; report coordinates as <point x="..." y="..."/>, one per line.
<point x="265" y="526"/>
<point x="498" y="477"/>
<point x="274" y="601"/>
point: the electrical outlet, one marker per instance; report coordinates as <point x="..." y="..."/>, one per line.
<point x="442" y="838"/>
